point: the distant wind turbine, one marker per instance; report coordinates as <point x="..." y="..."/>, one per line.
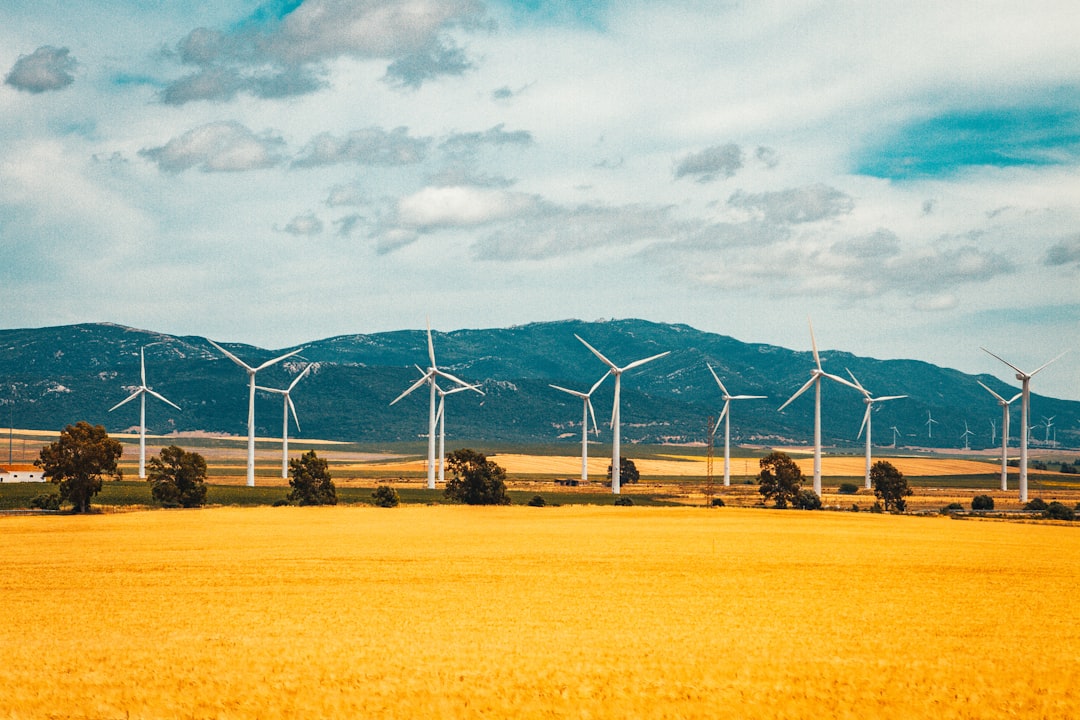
<point x="993" y="431"/>
<point x="288" y="403"/>
<point x="141" y="393"/>
<point x="1004" y="432"/>
<point x="866" y="422"/>
<point x="1049" y="422"/>
<point x="440" y="416"/>
<point x="930" y="423"/>
<point x="586" y="411"/>
<point x="816" y="373"/>
<point x="1025" y="406"/>
<point x="429" y="377"/>
<point x="725" y="417"/>
<point x="251" y="402"/>
<point x="895" y="433"/>
<point x="965" y="435"/>
<point x="615" y="418"/>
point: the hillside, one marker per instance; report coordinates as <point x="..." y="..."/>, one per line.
<point x="55" y="376"/>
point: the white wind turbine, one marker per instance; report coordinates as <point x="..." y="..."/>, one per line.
<point x="586" y="411"/>
<point x="288" y="405"/>
<point x="1049" y="422"/>
<point x="816" y="373"/>
<point x="965" y="435"/>
<point x="866" y="422"/>
<point x="440" y="416"/>
<point x="1025" y="404"/>
<point x="993" y="431"/>
<point x="429" y="377"/>
<point x="615" y="418"/>
<point x="725" y="417"/>
<point x="251" y="402"/>
<point x="930" y="423"/>
<point x="141" y="393"/>
<point x="895" y="433"/>
<point x="1004" y="432"/>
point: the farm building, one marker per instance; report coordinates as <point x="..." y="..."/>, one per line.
<point x="21" y="473"/>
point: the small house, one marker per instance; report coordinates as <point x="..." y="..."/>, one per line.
<point x="21" y="473"/>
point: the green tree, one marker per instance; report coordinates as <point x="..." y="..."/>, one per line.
<point x="386" y="497"/>
<point x="79" y="460"/>
<point x="178" y="477"/>
<point x="890" y="485"/>
<point x="310" y="481"/>
<point x="476" y="480"/>
<point x="780" y="479"/>
<point x="628" y="472"/>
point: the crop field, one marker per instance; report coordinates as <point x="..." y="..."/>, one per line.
<point x="458" y="612"/>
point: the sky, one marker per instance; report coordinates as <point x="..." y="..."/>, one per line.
<point x="905" y="174"/>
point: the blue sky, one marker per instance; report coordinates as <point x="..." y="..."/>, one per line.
<point x="278" y="172"/>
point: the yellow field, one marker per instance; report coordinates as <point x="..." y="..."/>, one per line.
<point x="429" y="612"/>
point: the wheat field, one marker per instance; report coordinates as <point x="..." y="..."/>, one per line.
<point x="584" y="612"/>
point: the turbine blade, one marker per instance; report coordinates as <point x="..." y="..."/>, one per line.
<point x="890" y="397"/>
<point x="128" y="399"/>
<point x="592" y="414"/>
<point x="275" y="391"/>
<point x="637" y="363"/>
<point x="450" y="377"/>
<point x="749" y="397"/>
<point x="1001" y="399"/>
<point x="597" y="383"/>
<point x="572" y="392"/>
<point x="300" y="377"/>
<point x="840" y="380"/>
<point x="597" y="353"/>
<point x="418" y="383"/>
<point x="162" y="398"/>
<point x="800" y="391"/>
<point x="439" y="412"/>
<point x="462" y="388"/>
<point x="289" y="402"/>
<point x="1015" y="397"/>
<point x="229" y="355"/>
<point x="1032" y="373"/>
<point x="1018" y="370"/>
<point x="142" y="366"/>
<point x="723" y="414"/>
<point x="813" y="343"/>
<point x="857" y="383"/>
<point x="865" y="419"/>
<point x="268" y="363"/>
<point x="717" y="379"/>
<point x="615" y="405"/>
<point x="430" y="344"/>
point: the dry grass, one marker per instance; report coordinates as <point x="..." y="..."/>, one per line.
<point x="429" y="612"/>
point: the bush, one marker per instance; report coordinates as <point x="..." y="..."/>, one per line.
<point x="718" y="502"/>
<point x="1036" y="505"/>
<point x="623" y="500"/>
<point x="877" y="507"/>
<point x="177" y="478"/>
<point x="1058" y="511"/>
<point x="386" y="497"/>
<point x="628" y="472"/>
<point x="854" y="507"/>
<point x="476" y="480"/>
<point x="537" y="501"/>
<point x="310" y="481"/>
<point x="848" y="488"/>
<point x="807" y="500"/>
<point x="982" y="502"/>
<point x="45" y="501"/>
<point x="951" y="508"/>
<point x="281" y="502"/>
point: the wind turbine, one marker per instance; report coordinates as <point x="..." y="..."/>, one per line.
<point x="1049" y="422"/>
<point x="1004" y="432"/>
<point x="930" y="423"/>
<point x="615" y="418"/>
<point x="866" y="423"/>
<point x="141" y="393"/>
<point x="429" y="377"/>
<point x="965" y="435"/>
<point x="993" y="431"/>
<point x="251" y="402"/>
<point x="1025" y="404"/>
<point x="895" y="433"/>
<point x="725" y="417"/>
<point x="815" y="379"/>
<point x="440" y="416"/>
<point x="586" y="411"/>
<point x="288" y="405"/>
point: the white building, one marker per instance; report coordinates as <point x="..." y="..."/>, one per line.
<point x="21" y="473"/>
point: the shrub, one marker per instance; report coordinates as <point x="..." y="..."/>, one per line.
<point x="982" y="502"/>
<point x="807" y="500"/>
<point x="386" y="497"/>
<point x="951" y="508"/>
<point x="718" y="502"/>
<point x="848" y="488"/>
<point x="281" y="502"/>
<point x="854" y="507"/>
<point x="1036" y="505"/>
<point x="45" y="501"/>
<point x="623" y="500"/>
<point x="177" y="478"/>
<point x="1058" y="511"/>
<point x="537" y="501"/>
<point x="628" y="472"/>
<point x="877" y="507"/>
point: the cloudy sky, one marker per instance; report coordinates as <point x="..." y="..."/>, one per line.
<point x="276" y="172"/>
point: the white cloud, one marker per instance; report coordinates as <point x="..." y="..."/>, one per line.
<point x="47" y="68"/>
<point x="307" y="225"/>
<point x="370" y="146"/>
<point x="461" y="206"/>
<point x="217" y="147"/>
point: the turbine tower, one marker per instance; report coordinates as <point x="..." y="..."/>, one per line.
<point x="586" y="411"/>
<point x="725" y="417"/>
<point x="288" y="405"/>
<point x="1025" y="404"/>
<point x="615" y="418"/>
<point x="440" y="416"/>
<point x="251" y="402"/>
<point x="141" y="393"/>
<point x="429" y="377"/>
<point x="816" y="373"/>
<point x="1004" y="432"/>
<point x="866" y="422"/>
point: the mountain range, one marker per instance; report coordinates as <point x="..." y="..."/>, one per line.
<point x="50" y="377"/>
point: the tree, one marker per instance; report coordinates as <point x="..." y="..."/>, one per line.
<point x="386" y="497"/>
<point x="178" y="477"/>
<point x="475" y="479"/>
<point x="79" y="460"/>
<point x="780" y="479"/>
<point x="982" y="502"/>
<point x="628" y="472"/>
<point x="310" y="481"/>
<point x="890" y="485"/>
